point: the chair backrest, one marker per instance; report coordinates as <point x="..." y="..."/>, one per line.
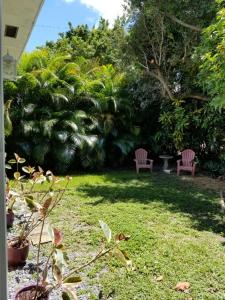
<point x="141" y="155"/>
<point x="188" y="156"/>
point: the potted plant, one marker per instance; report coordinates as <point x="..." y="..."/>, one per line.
<point x="66" y="281"/>
<point x="42" y="203"/>
<point x="18" y="246"/>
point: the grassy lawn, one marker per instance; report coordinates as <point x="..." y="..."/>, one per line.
<point x="176" y="232"/>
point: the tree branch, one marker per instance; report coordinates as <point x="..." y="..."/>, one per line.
<point x="157" y="75"/>
<point x="197" y="97"/>
<point x="163" y="81"/>
<point x="175" y="19"/>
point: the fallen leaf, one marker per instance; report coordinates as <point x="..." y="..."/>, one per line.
<point x="159" y="278"/>
<point x="182" y="286"/>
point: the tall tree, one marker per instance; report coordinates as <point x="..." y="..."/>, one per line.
<point x="163" y="36"/>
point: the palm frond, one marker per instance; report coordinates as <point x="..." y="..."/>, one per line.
<point x="61" y="136"/>
<point x="39" y="152"/>
<point x="30" y="127"/>
<point x="69" y="69"/>
<point x="58" y="61"/>
<point x="48" y="126"/>
<point x="80" y="114"/>
<point x="57" y="98"/>
<point x="29" y="108"/>
<point x="72" y="125"/>
<point x="125" y="146"/>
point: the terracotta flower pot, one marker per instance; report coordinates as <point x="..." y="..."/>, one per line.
<point x="28" y="292"/>
<point x="10" y="218"/>
<point x="17" y="255"/>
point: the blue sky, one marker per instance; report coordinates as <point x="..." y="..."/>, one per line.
<point x="56" y="14"/>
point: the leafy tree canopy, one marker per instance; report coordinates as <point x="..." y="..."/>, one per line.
<point x="211" y="53"/>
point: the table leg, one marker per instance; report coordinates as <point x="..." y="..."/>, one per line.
<point x="165" y="165"/>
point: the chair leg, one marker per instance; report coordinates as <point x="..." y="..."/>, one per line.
<point x="178" y="171"/>
<point x="193" y="172"/>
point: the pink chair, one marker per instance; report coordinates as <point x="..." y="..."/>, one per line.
<point x="187" y="162"/>
<point x="141" y="160"/>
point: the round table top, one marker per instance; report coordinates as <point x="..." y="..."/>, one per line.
<point x="165" y="156"/>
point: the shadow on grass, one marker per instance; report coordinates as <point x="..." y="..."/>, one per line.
<point x="179" y="196"/>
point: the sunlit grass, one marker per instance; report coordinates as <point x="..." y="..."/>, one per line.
<point x="176" y="232"/>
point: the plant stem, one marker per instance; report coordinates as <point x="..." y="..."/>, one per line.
<point x="99" y="255"/>
<point x="38" y="257"/>
<point x="75" y="270"/>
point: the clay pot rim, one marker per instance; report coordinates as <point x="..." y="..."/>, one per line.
<point x="26" y="288"/>
<point x="24" y="246"/>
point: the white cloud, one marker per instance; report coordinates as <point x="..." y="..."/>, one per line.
<point x="108" y="9"/>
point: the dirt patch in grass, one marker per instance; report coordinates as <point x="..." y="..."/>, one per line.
<point x="205" y="182"/>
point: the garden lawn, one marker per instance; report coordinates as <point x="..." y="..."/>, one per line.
<point x="176" y="232"/>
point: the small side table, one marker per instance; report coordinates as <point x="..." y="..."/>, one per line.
<point x="165" y="162"/>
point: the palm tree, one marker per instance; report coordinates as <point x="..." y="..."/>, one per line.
<point x="70" y="108"/>
<point x="48" y="128"/>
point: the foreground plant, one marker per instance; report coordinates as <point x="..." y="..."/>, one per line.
<point x="40" y="204"/>
<point x="58" y="260"/>
<point x="10" y="201"/>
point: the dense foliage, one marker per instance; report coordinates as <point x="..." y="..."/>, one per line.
<point x="70" y="107"/>
<point x="92" y="96"/>
<point x="163" y="39"/>
<point x="211" y="52"/>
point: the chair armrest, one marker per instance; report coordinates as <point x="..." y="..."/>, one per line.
<point x="149" y="159"/>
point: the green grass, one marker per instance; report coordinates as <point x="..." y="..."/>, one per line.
<point x="176" y="231"/>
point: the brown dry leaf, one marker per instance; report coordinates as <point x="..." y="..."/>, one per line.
<point x="182" y="286"/>
<point x="159" y="278"/>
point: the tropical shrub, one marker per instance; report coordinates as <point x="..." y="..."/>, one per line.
<point x="64" y="107"/>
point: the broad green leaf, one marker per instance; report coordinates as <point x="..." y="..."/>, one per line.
<point x="28" y="169"/>
<point x="21" y="160"/>
<point x="12" y="161"/>
<point x="123" y="257"/>
<point x="73" y="279"/>
<point x="106" y="230"/>
<point x="65" y="296"/>
<point x="16" y="175"/>
<point x="32" y="205"/>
